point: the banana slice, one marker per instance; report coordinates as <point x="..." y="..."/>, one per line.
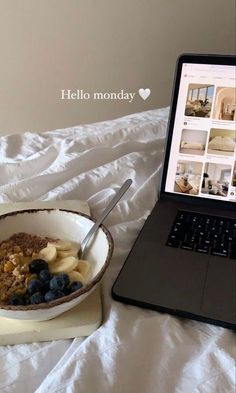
<point x="64" y="265"/>
<point x="83" y="267"/>
<point x="60" y="245"/>
<point x="48" y="253"/>
<point x="64" y="254"/>
<point x="76" y="276"/>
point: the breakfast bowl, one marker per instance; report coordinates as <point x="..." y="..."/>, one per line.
<point x="58" y="228"/>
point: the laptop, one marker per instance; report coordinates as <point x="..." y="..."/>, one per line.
<point x="184" y="259"/>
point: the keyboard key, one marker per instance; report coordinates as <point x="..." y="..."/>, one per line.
<point x="187" y="246"/>
<point x="219" y="252"/>
<point x="220" y="244"/>
<point x="173" y="242"/>
<point x="233" y="245"/>
<point x="178" y="224"/>
<point x="178" y="233"/>
<point x="232" y="254"/>
<point x="204" y="249"/>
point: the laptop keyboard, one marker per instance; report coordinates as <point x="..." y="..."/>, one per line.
<point x="204" y="234"/>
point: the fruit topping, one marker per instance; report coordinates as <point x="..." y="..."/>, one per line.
<point x="83" y="267"/>
<point x="64" y="265"/>
<point x="37" y="265"/>
<point x="37" y="298"/>
<point x="45" y="275"/>
<point x="75" y="276"/>
<point x="49" y="254"/>
<point x="35" y="285"/>
<point x="60" y="245"/>
<point x="53" y="295"/>
<point x="16" y="300"/>
<point x="69" y="253"/>
<point x="75" y="286"/>
<point x="59" y="281"/>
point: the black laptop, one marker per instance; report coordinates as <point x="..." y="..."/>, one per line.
<point x="184" y="259"/>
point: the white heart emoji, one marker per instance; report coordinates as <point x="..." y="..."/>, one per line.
<point x="144" y="93"/>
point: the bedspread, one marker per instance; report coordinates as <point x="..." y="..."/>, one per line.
<point x="134" y="350"/>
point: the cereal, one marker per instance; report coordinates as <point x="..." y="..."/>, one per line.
<point x="28" y="243"/>
<point x="8" y="267"/>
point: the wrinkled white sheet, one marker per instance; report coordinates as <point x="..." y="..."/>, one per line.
<point x="134" y="350"/>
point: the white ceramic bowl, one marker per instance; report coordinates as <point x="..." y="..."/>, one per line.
<point x="62" y="224"/>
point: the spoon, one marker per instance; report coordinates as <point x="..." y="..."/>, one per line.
<point x="104" y="214"/>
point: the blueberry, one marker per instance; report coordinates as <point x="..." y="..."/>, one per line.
<point x="37" y="298"/>
<point x="37" y="265"/>
<point x="46" y="286"/>
<point x="60" y="281"/>
<point x="35" y="285"/>
<point x="16" y="300"/>
<point x="53" y="295"/>
<point x="27" y="299"/>
<point x="45" y="275"/>
<point x="67" y="290"/>
<point x="75" y="286"/>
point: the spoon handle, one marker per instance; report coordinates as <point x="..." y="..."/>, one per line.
<point x="105" y="212"/>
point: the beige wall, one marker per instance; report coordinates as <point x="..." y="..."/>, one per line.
<point x="98" y="45"/>
<point x="221" y="132"/>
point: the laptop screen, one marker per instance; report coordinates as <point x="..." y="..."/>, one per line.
<point x="202" y="159"/>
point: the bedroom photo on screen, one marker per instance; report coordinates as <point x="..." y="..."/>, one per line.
<point x="234" y="176"/>
<point x="193" y="142"/>
<point x="225" y="104"/>
<point x="117" y="196"/>
<point x="221" y="142"/>
<point x="188" y="176"/>
<point x="199" y="100"/>
<point x="218" y="179"/>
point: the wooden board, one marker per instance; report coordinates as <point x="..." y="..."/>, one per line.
<point x="81" y="321"/>
<point x="79" y="206"/>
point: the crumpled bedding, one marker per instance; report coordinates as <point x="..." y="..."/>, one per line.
<point x="192" y="145"/>
<point x="222" y="143"/>
<point x="134" y="350"/>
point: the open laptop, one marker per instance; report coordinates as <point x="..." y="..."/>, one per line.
<point x="184" y="259"/>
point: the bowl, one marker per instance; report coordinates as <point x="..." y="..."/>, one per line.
<point x="62" y="224"/>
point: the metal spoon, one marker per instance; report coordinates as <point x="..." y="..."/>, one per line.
<point x="104" y="214"/>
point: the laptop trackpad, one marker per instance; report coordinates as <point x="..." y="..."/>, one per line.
<point x="163" y="276"/>
<point x="219" y="301"/>
<point x="180" y="280"/>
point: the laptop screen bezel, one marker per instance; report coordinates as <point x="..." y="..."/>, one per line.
<point x="197" y="59"/>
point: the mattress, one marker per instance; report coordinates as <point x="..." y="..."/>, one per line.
<point x="134" y="350"/>
<point x="220" y="152"/>
<point x="188" y="145"/>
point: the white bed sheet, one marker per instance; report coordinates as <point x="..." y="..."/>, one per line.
<point x="134" y="350"/>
